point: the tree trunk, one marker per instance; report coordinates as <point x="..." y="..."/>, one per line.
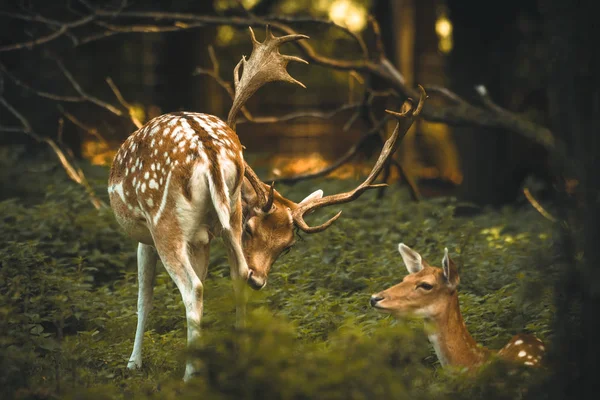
<point x="574" y="101"/>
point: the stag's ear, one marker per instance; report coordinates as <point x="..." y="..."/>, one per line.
<point x="313" y="196"/>
<point x="412" y="259"/>
<point x="450" y="270"/>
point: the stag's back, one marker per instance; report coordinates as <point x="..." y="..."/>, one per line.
<point x="162" y="164"/>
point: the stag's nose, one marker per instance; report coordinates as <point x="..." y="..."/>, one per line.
<point x="375" y="299"/>
<point x="256" y="282"/>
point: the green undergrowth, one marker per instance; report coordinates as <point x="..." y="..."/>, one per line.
<point x="68" y="305"/>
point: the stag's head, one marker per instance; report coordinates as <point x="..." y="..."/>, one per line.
<point x="424" y="292"/>
<point x="271" y="220"/>
<point x="269" y="230"/>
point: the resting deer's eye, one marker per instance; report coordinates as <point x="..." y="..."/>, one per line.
<point x="248" y="229"/>
<point x="424" y="285"/>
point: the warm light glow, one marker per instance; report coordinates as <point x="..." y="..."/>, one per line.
<point x="224" y="35"/>
<point x="348" y="14"/>
<point x="290" y="165"/>
<point x="443" y="28"/>
<point x="222" y="5"/>
<point x="97" y="153"/>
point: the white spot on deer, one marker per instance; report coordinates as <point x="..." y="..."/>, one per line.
<point x="133" y="169"/>
<point x="168" y="160"/>
<point x="160" y="142"/>
<point x="152" y="142"/>
<point x="160" y="181"/>
<point x="155" y="151"/>
<point x="182" y="143"/>
<point x="155" y="129"/>
<point x="152" y="167"/>
<point x="173" y="121"/>
<point x="149" y="202"/>
<point x="185" y="125"/>
<point x="129" y="206"/>
<point x="522" y="353"/>
<point x="193" y="145"/>
<point x="529" y="356"/>
<point x="134" y="180"/>
<point x="152" y="184"/>
<point x="163" y="202"/>
<point x="146" y="175"/>
<point x="518" y="342"/>
<point x="144" y="187"/>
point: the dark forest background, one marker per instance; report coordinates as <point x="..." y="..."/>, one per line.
<point x="534" y="127"/>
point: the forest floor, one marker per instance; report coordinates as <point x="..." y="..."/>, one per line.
<point x="68" y="301"/>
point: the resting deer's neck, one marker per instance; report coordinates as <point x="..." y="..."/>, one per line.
<point x="451" y="340"/>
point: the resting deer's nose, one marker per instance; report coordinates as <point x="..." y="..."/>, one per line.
<point x="375" y="299"/>
<point x="256" y="282"/>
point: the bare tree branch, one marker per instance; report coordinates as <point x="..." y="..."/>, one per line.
<point x="351" y="153"/>
<point x="84" y="94"/>
<point x="63" y="28"/>
<point x="73" y="171"/>
<point x="124" y="103"/>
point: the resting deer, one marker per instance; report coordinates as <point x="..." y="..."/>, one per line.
<point x="431" y="293"/>
<point x="181" y="180"/>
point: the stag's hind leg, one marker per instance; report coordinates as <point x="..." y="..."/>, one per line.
<point x="147" y="258"/>
<point x="185" y="262"/>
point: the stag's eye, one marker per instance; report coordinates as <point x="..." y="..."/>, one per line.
<point x="248" y="229"/>
<point x="425" y="286"/>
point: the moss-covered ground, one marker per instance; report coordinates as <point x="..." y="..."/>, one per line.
<point x="68" y="303"/>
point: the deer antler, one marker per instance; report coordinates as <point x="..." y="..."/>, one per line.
<point x="405" y="120"/>
<point x="264" y="65"/>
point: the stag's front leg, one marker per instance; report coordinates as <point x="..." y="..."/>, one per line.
<point x="179" y="262"/>
<point x="237" y="262"/>
<point x="146" y="259"/>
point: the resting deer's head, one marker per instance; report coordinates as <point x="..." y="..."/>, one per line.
<point x="424" y="291"/>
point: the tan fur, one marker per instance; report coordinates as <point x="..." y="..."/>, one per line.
<point x="440" y="306"/>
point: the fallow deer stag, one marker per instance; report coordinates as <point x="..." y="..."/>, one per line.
<point x="181" y="180"/>
<point x="430" y="292"/>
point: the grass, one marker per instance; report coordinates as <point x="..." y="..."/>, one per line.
<point x="68" y="304"/>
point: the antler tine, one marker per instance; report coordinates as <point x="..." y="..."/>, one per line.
<point x="405" y="120"/>
<point x="264" y="65"/>
<point x="270" y="197"/>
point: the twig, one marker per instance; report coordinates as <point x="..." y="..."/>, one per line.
<point x="83" y="94"/>
<point x="92" y="131"/>
<point x="75" y="173"/>
<point x="353" y="151"/>
<point x="124" y="103"/>
<point x="537" y="205"/>
<point x="47" y="95"/>
<point x="63" y="29"/>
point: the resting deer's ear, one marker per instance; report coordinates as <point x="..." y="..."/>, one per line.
<point x="412" y="259"/>
<point x="313" y="196"/>
<point x="450" y="270"/>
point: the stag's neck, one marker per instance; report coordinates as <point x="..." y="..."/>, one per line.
<point x="451" y="340"/>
